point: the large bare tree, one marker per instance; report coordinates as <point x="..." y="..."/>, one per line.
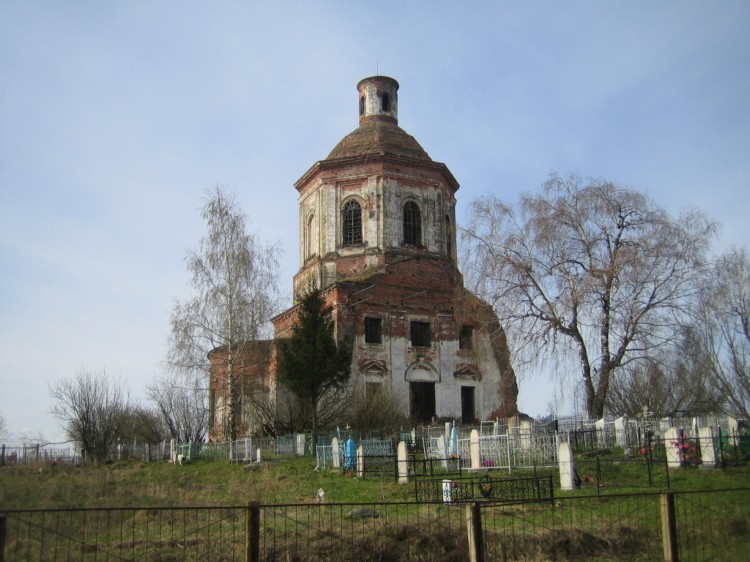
<point x="235" y="278"/>
<point x="675" y="381"/>
<point x="181" y="403"/>
<point x="93" y="408"/>
<point x="588" y="272"/>
<point x="724" y="322"/>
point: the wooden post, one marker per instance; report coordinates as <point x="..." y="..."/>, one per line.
<point x="474" y="530"/>
<point x="2" y="538"/>
<point x="252" y="532"/>
<point x="668" y="527"/>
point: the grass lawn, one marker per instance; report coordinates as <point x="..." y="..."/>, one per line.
<point x="611" y="527"/>
<point x="281" y="480"/>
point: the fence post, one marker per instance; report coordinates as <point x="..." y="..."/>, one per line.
<point x="252" y="532"/>
<point x="2" y="538"/>
<point x="474" y="530"/>
<point x="668" y="527"/>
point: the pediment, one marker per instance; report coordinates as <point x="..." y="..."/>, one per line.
<point x="422" y="370"/>
<point x="374" y="367"/>
<point x="468" y="372"/>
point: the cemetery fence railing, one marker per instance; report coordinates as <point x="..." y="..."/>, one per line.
<point x="699" y="525"/>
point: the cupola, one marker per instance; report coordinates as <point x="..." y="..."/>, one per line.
<point x="378" y="99"/>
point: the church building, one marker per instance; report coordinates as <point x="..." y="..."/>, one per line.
<point x="377" y="232"/>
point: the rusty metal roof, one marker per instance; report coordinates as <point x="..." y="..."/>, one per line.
<point x="379" y="136"/>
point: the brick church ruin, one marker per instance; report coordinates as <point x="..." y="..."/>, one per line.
<point x="377" y="224"/>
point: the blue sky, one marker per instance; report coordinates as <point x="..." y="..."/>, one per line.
<point x="115" y="117"/>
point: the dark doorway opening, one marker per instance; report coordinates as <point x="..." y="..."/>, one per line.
<point x="468" y="414"/>
<point x="422" y="401"/>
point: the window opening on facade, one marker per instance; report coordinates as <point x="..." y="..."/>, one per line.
<point x="466" y="337"/>
<point x="420" y="334"/>
<point x="448" y="237"/>
<point x="373" y="330"/>
<point x="422" y="401"/>
<point x="309" y="237"/>
<point x="385" y="103"/>
<point x="468" y="414"/>
<point x="352" y="224"/>
<point x="412" y="224"/>
<point x="362" y="105"/>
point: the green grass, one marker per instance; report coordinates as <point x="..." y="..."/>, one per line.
<point x="126" y="484"/>
<point x="283" y="480"/>
<point x="615" y="526"/>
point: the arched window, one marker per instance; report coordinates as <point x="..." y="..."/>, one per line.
<point x="412" y="224"/>
<point x="351" y="221"/>
<point x="448" y="236"/>
<point x="385" y="103"/>
<point x="309" y="237"/>
<point x="362" y="105"/>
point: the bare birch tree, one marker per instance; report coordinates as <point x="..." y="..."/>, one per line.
<point x="724" y="321"/>
<point x="591" y="273"/>
<point x="235" y="278"/>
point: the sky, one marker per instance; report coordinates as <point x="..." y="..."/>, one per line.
<point x="117" y="117"/>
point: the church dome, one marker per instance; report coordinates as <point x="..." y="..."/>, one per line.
<point x="376" y="137"/>
<point x="378" y="132"/>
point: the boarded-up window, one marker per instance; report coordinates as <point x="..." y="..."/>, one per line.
<point x="420" y="334"/>
<point x="466" y="337"/>
<point x="373" y="330"/>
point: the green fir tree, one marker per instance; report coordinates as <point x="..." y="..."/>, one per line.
<point x="311" y="363"/>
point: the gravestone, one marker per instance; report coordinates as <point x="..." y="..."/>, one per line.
<point x="360" y="461"/>
<point x="403" y="463"/>
<point x="476" y="457"/>
<point x="301" y="444"/>
<point x="335" y="457"/>
<point x="567" y="467"/>
<point x="621" y="432"/>
<point x="708" y="452"/>
<point x="671" y="439"/>
<point x="350" y="454"/>
<point x="600" y="436"/>
<point x="442" y="455"/>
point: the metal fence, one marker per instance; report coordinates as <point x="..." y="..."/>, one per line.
<point x="705" y="525"/>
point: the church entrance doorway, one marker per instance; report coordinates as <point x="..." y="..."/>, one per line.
<point x="468" y="414"/>
<point x="422" y="400"/>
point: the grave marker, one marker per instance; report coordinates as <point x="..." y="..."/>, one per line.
<point x="403" y="463"/>
<point x="567" y="467"/>
<point x="476" y="457"/>
<point x="671" y="438"/>
<point x="335" y="458"/>
<point x="708" y="452"/>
